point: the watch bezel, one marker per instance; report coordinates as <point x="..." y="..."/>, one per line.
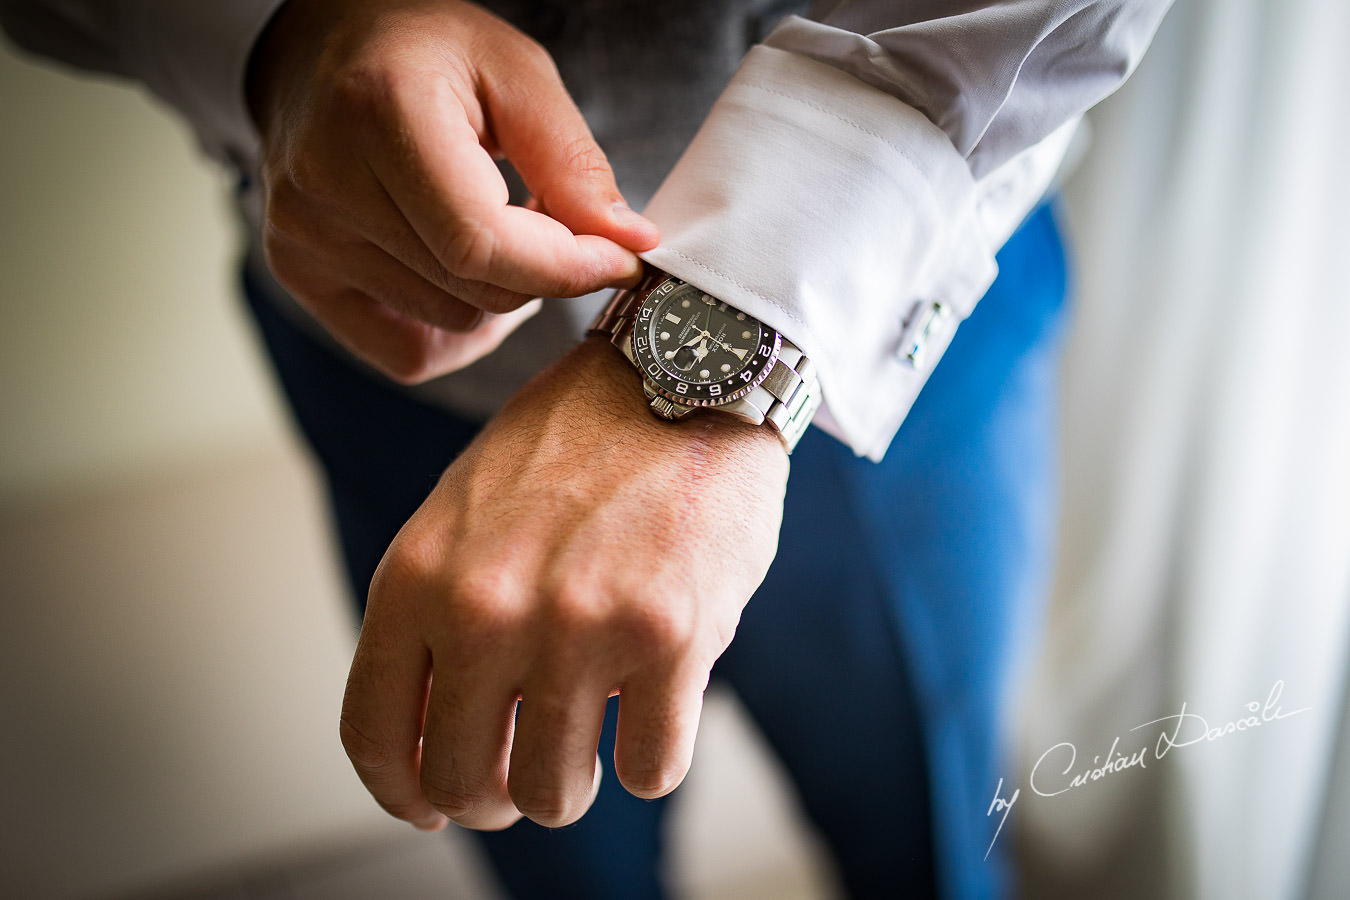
<point x="694" y="394"/>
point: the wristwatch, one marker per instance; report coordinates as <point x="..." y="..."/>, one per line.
<point x="698" y="352"/>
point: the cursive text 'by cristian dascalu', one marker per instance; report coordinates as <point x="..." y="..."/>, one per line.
<point x="1058" y="770"/>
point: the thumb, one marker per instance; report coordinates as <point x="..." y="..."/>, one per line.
<point x="541" y="131"/>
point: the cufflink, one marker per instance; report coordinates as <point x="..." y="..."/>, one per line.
<point x="925" y="321"/>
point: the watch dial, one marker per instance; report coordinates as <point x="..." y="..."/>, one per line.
<point x="698" y="349"/>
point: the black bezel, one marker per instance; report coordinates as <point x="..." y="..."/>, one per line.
<point x="689" y="393"/>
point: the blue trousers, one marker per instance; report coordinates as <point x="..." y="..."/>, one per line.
<point x="873" y="658"/>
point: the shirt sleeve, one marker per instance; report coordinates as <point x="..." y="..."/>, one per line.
<point x="854" y="181"/>
<point x="193" y="55"/>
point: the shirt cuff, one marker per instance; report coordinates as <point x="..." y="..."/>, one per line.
<point x="839" y="215"/>
<point x="195" y="56"/>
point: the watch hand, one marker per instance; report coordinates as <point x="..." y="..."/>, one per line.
<point x="698" y="337"/>
<point x="740" y="354"/>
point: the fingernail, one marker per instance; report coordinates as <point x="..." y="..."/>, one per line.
<point x="627" y="218"/>
<point x="630" y="276"/>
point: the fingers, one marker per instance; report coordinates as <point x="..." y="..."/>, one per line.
<point x="540" y="129"/>
<point x="452" y="195"/>
<point x="381" y="726"/>
<point x="386" y="314"/>
<point x="401" y="348"/>
<point x="554" y="771"/>
<point x="483" y="767"/>
<point x="390" y="232"/>
<point x="469" y="730"/>
<point x="658" y="722"/>
<point x="480" y="764"/>
<point x="428" y="293"/>
<point x="370" y="247"/>
<point x="362" y="267"/>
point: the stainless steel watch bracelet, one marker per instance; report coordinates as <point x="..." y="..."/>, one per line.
<point x="787" y="398"/>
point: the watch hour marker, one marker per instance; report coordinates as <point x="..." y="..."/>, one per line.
<point x="665" y="335"/>
<point x="704" y="373"/>
<point x="740" y="317"/>
<point x="684" y="303"/>
<point x="740" y="354"/>
<point x="726" y="367"/>
<point x="745" y="335"/>
<point x="671" y="317"/>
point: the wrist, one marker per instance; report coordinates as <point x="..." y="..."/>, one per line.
<point x="698" y="354"/>
<point x="618" y="387"/>
<point x="594" y="393"/>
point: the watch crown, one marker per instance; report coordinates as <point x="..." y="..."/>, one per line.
<point x="663" y="407"/>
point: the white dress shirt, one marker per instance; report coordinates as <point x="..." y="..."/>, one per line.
<point x="859" y="168"/>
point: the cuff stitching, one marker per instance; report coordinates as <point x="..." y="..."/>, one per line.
<point x="901" y="151"/>
<point x="728" y="278"/>
<point x="924" y="176"/>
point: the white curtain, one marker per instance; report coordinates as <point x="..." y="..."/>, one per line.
<point x="1205" y="551"/>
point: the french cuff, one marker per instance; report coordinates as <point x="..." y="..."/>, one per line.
<point x="195" y="56"/>
<point x="838" y="215"/>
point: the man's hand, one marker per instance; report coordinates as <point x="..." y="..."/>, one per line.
<point x="386" y="216"/>
<point x="578" y="548"/>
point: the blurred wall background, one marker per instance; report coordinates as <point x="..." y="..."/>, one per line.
<point x="171" y="644"/>
<point x="122" y="347"/>
<point x="173" y="641"/>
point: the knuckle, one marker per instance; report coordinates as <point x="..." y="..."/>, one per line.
<point x="481" y="588"/>
<point x="468" y="251"/>
<point x="577" y="606"/>
<point x="460" y="317"/>
<point x="658" y="626"/>
<point x="287" y="219"/>
<point x="372" y="99"/>
<point x="366" y="753"/>
<point x="457" y="797"/>
<point x="528" y="54"/>
<point x="414" y="361"/>
<point x="494" y="299"/>
<point x="363" y="89"/>
<point x="583" y="157"/>
<point x="286" y="265"/>
<point x="485" y="611"/>
<point x="544" y="806"/>
<point x="308" y="175"/>
<point x="404" y="372"/>
<point x="585" y="164"/>
<point x="412" y="563"/>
